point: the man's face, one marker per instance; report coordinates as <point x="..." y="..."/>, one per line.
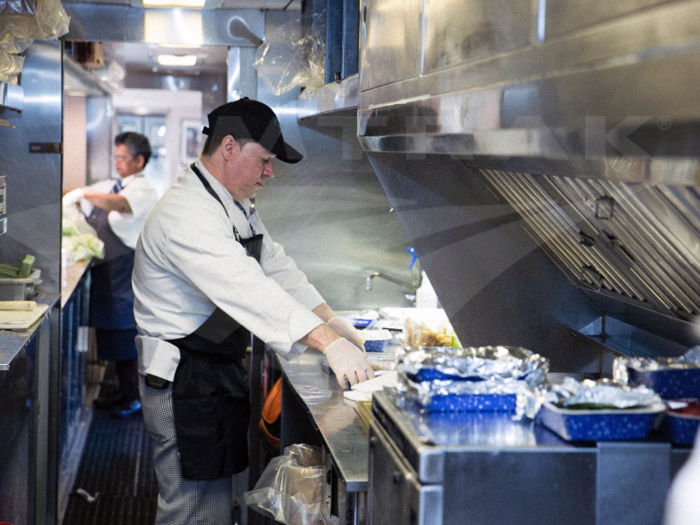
<point x="247" y="170"/>
<point x="124" y="163"/>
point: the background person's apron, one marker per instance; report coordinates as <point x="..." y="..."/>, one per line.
<point x="111" y="294"/>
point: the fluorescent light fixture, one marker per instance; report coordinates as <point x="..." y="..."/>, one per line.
<point x="173" y="26"/>
<point x="180" y="46"/>
<point x="177" y="60"/>
<point x="196" y="4"/>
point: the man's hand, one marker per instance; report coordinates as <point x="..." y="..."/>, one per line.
<point x="73" y="197"/>
<point x="344" y="329"/>
<point x="348" y="363"/>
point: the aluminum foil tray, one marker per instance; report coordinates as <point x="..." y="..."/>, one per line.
<point x="471" y="403"/>
<point x="599" y="425"/>
<point x="669" y="383"/>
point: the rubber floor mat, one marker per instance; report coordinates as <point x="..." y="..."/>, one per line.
<point x="115" y="483"/>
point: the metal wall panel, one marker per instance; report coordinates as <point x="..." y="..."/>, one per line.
<point x="390" y="35"/>
<point x="562" y="16"/>
<point x="329" y="210"/>
<point x="456" y="31"/>
<point x="34" y="179"/>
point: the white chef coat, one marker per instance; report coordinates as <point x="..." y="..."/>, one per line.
<point x="188" y="262"/>
<point x="141" y="196"/>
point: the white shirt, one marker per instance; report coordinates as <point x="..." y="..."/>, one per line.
<point x="141" y="196"/>
<point x="188" y="262"/>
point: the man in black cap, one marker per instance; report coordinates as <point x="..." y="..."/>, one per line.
<point x="206" y="275"/>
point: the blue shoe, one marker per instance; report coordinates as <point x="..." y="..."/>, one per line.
<point x="126" y="410"/>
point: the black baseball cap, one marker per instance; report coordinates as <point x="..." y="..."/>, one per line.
<point x="250" y="119"/>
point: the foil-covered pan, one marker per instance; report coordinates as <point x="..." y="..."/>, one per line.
<point x="670" y="377"/>
<point x="601" y="410"/>
<point x="469" y="379"/>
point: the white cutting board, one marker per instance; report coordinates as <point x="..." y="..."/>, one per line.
<point x="21" y="319"/>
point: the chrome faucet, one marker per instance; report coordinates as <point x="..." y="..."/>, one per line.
<point x="368" y="284"/>
<point x="409" y="296"/>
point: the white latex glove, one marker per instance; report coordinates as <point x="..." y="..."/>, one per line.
<point x="344" y="329"/>
<point x="348" y="362"/>
<point x="73" y="197"/>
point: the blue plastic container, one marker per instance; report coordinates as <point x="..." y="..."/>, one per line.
<point x="599" y="425"/>
<point x="680" y="428"/>
<point x="376" y="340"/>
<point x="471" y="403"/>
<point x="671" y="383"/>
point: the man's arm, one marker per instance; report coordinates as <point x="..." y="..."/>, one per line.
<point x="339" y="325"/>
<point x="108" y="201"/>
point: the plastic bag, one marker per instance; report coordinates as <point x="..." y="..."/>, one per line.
<point x="427" y="333"/>
<point x="18" y="31"/>
<point x="286" y="61"/>
<point x="291" y="488"/>
<point x="79" y="238"/>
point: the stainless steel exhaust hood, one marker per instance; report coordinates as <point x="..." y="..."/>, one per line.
<point x="585" y="120"/>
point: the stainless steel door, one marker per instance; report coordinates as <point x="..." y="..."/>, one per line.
<point x="395" y="495"/>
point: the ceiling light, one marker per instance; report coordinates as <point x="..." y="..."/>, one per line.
<point x="177" y="60"/>
<point x="179" y="26"/>
<point x="180" y="46"/>
<point x="197" y="4"/>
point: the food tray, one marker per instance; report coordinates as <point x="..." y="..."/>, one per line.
<point x="471" y="403"/>
<point x="680" y="428"/>
<point x="670" y="383"/>
<point x="599" y="425"/>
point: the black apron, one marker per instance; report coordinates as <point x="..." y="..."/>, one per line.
<point x="111" y="294"/>
<point x="210" y="394"/>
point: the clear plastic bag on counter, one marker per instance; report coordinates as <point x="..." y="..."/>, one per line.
<point x="286" y="61"/>
<point x="427" y="333"/>
<point x="291" y="488"/>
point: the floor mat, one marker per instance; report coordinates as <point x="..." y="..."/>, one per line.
<point x="115" y="483"/>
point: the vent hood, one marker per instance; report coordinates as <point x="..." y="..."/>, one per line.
<point x="583" y="119"/>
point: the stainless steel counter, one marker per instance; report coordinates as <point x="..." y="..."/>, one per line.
<point x="13" y="341"/>
<point x="344" y="434"/>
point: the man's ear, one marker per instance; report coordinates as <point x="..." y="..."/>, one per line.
<point x="229" y="147"/>
<point x="141" y="161"/>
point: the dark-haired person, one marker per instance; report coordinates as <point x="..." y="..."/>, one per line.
<point x="117" y="209"/>
<point x="206" y="275"/>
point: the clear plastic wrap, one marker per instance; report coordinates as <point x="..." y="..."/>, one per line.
<point x="18" y="31"/>
<point x="291" y="488"/>
<point x="432" y="332"/>
<point x="475" y="378"/>
<point x="79" y="239"/>
<point x="603" y="394"/>
<point x="18" y="7"/>
<point x="286" y="61"/>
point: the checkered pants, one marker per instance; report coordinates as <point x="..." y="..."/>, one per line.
<point x="180" y="501"/>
